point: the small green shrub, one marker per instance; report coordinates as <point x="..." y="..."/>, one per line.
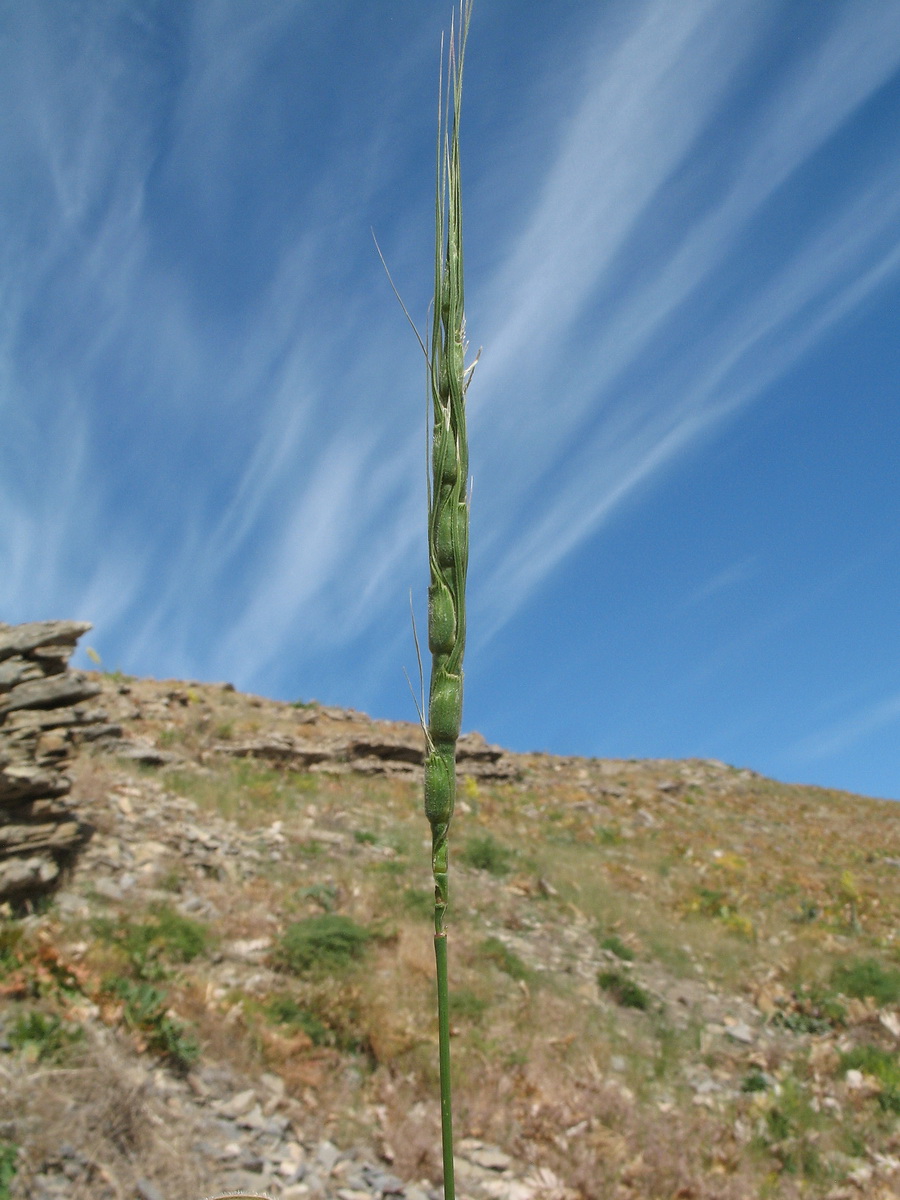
<point x="285" y="1010"/>
<point x="494" y="951"/>
<point x="165" y="935"/>
<point x="710" y="902"/>
<point x="615" y="944"/>
<point x="607" y="835"/>
<point x="43" y="1038"/>
<point x="807" y="913"/>
<point x="486" y="854"/>
<point x="9" y="1154"/>
<point x="755" y="1081"/>
<point x="145" y="1011"/>
<point x="865" y="978"/>
<point x="815" y="1011"/>
<point x="10" y="939"/>
<point x="324" y="894"/>
<point x="365" y="837"/>
<point x="791" y="1127"/>
<point x="624" y="990"/>
<point x="330" y="942"/>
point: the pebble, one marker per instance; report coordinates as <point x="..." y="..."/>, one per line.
<point x="147" y="1190"/>
<point x="327" y="1156"/>
<point x="490" y="1158"/>
<point x="740" y="1032"/>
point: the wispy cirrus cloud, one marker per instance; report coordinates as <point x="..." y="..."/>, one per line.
<point x="689" y="329"/>
<point x="843" y="734"/>
<point x="736" y="574"/>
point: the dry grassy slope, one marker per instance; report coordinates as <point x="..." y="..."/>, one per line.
<point x="661" y="969"/>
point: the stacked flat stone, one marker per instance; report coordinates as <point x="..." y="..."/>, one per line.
<point x="42" y="714"/>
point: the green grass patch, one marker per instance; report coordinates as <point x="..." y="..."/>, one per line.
<point x="466" y="1005"/>
<point x="791" y="1128"/>
<point x="754" y="1081"/>
<point x="323" y="894"/>
<point x="608" y="835"/>
<point x="883" y="1066"/>
<point x="814" y="1009"/>
<point x="624" y="990"/>
<point x="285" y="1010"/>
<point x="487" y="854"/>
<point x="9" y="1155"/>
<point x="326" y="943"/>
<point x="246" y="791"/>
<point x="494" y="951"/>
<point x="10" y="947"/>
<point x="164" y="937"/>
<point x="145" y="1011"/>
<point x="867" y="978"/>
<point x="418" y="902"/>
<point x="616" y="946"/>
<point x="43" y="1038"/>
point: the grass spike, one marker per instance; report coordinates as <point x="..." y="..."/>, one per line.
<point x="448" y="532"/>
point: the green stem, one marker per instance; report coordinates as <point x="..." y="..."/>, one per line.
<point x="440" y="958"/>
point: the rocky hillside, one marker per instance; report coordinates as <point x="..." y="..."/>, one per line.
<point x="670" y="979"/>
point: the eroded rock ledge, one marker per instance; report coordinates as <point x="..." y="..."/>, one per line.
<point x="43" y="715"/>
<point x="397" y="751"/>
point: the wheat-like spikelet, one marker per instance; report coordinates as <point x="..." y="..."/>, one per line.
<point x="448" y="506"/>
<point x="448" y="534"/>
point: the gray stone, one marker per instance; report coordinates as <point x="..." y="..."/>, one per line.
<point x="22" y="639"/>
<point x="18" y="670"/>
<point x="253" y="1119"/>
<point x="740" y="1031"/>
<point x="382" y="1181"/>
<point x="51" y="692"/>
<point x="238" y="1104"/>
<point x="143" y="753"/>
<point x="107" y="888"/>
<point x="147" y="1190"/>
<point x="327" y="1155"/>
<point x="22" y="875"/>
<point x="489" y="1157"/>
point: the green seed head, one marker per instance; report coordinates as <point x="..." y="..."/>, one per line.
<point x="441" y="619"/>
<point x="444" y="547"/>
<point x="439" y="789"/>
<point x="445" y="708"/>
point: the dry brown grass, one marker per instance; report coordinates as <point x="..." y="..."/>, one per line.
<point x="101" y="1105"/>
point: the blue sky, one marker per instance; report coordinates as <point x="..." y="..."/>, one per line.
<point x="682" y="228"/>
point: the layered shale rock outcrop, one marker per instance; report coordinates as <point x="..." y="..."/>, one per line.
<point x="171" y="723"/>
<point x="44" y="714"/>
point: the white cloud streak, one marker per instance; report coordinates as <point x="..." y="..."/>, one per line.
<point x="641" y="120"/>
<point x="830" y="742"/>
